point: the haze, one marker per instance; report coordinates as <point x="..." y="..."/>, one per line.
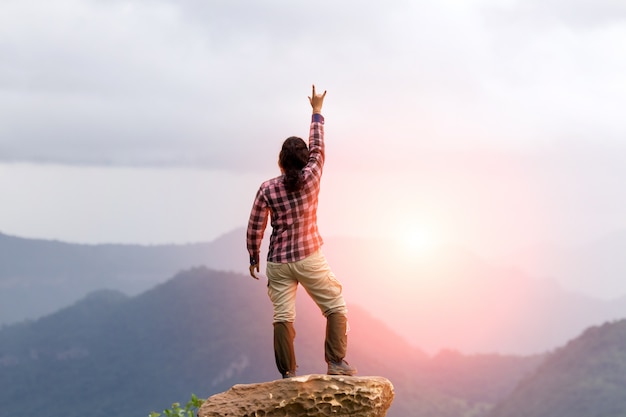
<point x="496" y="125"/>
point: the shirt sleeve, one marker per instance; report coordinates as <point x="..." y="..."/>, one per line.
<point x="316" y="145"/>
<point x="256" y="226"/>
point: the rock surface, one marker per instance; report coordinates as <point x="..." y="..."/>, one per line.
<point x="304" y="396"/>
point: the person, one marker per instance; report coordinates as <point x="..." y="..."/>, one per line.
<point x="294" y="255"/>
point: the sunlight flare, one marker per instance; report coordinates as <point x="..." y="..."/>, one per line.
<point x="415" y="239"/>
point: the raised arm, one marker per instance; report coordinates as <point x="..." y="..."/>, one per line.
<point x="316" y="135"/>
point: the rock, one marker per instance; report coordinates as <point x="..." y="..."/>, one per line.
<point x="304" y="396"/>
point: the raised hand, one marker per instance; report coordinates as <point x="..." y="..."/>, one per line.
<point x="317" y="101"/>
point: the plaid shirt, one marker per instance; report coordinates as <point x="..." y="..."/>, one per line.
<point x="293" y="215"/>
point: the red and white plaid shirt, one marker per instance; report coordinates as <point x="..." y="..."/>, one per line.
<point x="293" y="215"/>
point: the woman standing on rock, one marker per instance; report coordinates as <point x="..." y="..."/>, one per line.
<point x="294" y="256"/>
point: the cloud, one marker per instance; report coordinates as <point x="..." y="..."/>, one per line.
<point x="219" y="84"/>
<point x="579" y="15"/>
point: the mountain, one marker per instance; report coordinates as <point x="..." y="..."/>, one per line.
<point x="449" y="298"/>
<point x="586" y="377"/>
<point x="202" y="332"/>
<point x="452" y="298"/>
<point x="38" y="277"/>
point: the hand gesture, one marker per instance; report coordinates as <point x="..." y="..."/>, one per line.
<point x="317" y="100"/>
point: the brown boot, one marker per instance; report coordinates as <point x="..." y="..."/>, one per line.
<point x="284" y="353"/>
<point x="341" y="368"/>
<point x="336" y="337"/>
<point x="337" y="344"/>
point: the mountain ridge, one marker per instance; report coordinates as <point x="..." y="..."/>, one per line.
<point x="586" y="376"/>
<point x="436" y="300"/>
<point x="203" y="331"/>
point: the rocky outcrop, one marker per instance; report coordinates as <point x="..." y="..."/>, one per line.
<point x="304" y="396"/>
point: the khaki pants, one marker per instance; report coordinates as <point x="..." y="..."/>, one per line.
<point x="317" y="279"/>
<point x="320" y="283"/>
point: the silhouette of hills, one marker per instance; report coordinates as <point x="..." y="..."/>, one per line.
<point x="38" y="277"/>
<point x="204" y="331"/>
<point x="586" y="377"/>
<point x="454" y="299"/>
<point x="447" y="299"/>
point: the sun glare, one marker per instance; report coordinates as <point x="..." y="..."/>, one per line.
<point x="415" y="239"/>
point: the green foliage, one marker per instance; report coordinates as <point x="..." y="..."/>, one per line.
<point x="190" y="410"/>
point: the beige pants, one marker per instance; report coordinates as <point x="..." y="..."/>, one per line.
<point x="317" y="279"/>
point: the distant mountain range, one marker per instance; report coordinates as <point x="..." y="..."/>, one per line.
<point x="450" y="299"/>
<point x="596" y="268"/>
<point x="586" y="377"/>
<point x="204" y="331"/>
<point x="38" y="277"/>
<point x="454" y="299"/>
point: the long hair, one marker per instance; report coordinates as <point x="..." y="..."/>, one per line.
<point x="294" y="156"/>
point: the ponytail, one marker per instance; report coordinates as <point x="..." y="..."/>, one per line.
<point x="293" y="157"/>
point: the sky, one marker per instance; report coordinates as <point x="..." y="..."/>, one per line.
<point x="494" y="124"/>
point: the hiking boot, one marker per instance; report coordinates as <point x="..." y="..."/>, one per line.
<point x="341" y="368"/>
<point x="284" y="334"/>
